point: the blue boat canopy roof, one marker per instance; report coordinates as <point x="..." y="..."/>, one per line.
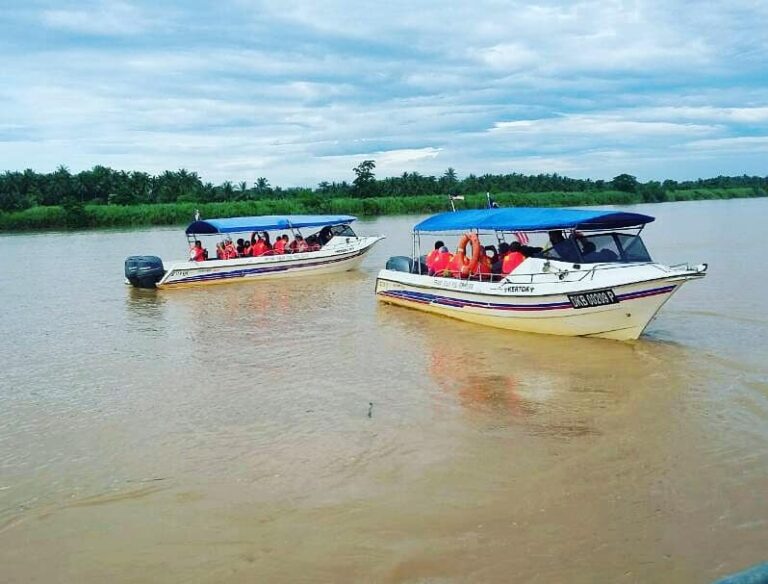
<point x="265" y="223"/>
<point x="531" y="219"/>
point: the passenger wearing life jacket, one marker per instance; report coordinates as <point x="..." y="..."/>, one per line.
<point x="230" y="253"/>
<point x="279" y="247"/>
<point x="440" y="263"/>
<point x="432" y="256"/>
<point x="497" y="263"/>
<point x="301" y="245"/>
<point x="267" y="242"/>
<point x="196" y="252"/>
<point x="484" y="265"/>
<point x="512" y="259"/>
<point x="259" y="248"/>
<point x="220" y="251"/>
<point x="246" y="253"/>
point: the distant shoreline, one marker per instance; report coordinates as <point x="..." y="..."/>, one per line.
<point x="91" y="216"/>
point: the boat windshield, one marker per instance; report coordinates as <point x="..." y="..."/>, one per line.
<point x="599" y="248"/>
<point x="343" y="231"/>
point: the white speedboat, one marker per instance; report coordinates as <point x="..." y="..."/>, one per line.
<point x="334" y="248"/>
<point x="597" y="280"/>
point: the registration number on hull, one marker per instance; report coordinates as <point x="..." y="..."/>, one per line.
<point x="594" y="298"/>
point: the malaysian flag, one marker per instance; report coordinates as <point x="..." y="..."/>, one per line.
<point x="522" y="237"/>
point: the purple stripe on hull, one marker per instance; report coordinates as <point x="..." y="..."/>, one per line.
<point x="259" y="270"/>
<point x="425" y="298"/>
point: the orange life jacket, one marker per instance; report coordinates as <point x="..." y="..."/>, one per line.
<point x="432" y="257"/>
<point x="511" y="261"/>
<point x="279" y="247"/>
<point x="198" y="254"/>
<point x="484" y="266"/>
<point x="441" y="263"/>
<point x="259" y="248"/>
<point x="454" y="267"/>
<point x="230" y="252"/>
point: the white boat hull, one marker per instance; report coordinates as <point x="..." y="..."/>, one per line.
<point x="546" y="303"/>
<point x="340" y="255"/>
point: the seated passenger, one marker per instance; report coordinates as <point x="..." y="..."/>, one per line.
<point x="503" y="250"/>
<point x="432" y="256"/>
<point x="301" y="245"/>
<point x="455" y="266"/>
<point x="313" y="243"/>
<point x="555" y="236"/>
<point x="279" y="247"/>
<point x="440" y="264"/>
<point x="240" y="247"/>
<point x="259" y="248"/>
<point x="513" y="258"/>
<point x="246" y="249"/>
<point x="325" y="235"/>
<point x="230" y="253"/>
<point x="196" y="252"/>
<point x="220" y="250"/>
<point x="267" y="242"/>
<point x="484" y="266"/>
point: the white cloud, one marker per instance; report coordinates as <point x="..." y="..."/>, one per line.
<point x="301" y="92"/>
<point x="606" y="125"/>
<point x="104" y="18"/>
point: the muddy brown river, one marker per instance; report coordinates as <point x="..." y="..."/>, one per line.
<point x="298" y="431"/>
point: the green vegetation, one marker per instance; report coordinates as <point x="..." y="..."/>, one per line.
<point x="103" y="197"/>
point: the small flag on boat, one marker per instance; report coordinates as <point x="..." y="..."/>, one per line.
<point x="522" y="237"/>
<point x="453" y="198"/>
<point x="491" y="203"/>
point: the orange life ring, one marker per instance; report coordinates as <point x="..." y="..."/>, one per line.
<point x="468" y="268"/>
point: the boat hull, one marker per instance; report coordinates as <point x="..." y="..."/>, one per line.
<point x="633" y="304"/>
<point x="338" y="258"/>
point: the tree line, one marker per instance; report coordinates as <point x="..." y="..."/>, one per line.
<point x="104" y="186"/>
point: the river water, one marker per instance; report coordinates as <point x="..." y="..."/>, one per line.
<point x="298" y="431"/>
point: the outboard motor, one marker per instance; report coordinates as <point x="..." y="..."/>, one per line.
<point x="406" y="264"/>
<point x="144" y="271"/>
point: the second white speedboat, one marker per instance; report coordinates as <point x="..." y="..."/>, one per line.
<point x="596" y="278"/>
<point x="335" y="248"/>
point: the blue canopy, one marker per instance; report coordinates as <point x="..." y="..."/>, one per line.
<point x="531" y="219"/>
<point x="265" y="223"/>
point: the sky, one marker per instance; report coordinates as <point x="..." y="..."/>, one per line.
<point x="300" y="92"/>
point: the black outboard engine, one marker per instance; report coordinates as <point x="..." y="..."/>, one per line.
<point x="144" y="271"/>
<point x="406" y="264"/>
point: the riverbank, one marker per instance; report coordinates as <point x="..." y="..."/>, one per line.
<point x="77" y="216"/>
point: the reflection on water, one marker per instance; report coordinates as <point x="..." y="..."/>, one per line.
<point x="298" y="430"/>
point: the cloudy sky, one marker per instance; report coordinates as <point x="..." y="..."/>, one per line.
<point x="302" y="91"/>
